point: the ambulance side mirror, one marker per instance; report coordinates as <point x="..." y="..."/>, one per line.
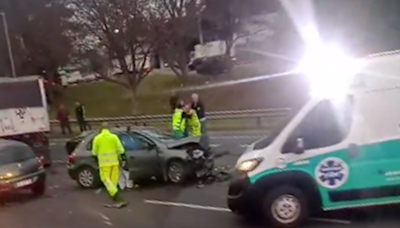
<point x="299" y="146"/>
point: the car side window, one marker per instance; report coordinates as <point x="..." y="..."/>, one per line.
<point x="89" y="145"/>
<point x="131" y="142"/>
<point x="326" y="125"/>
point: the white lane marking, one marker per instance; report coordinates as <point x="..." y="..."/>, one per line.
<point x="185" y="205"/>
<point x="244" y="145"/>
<point x="215" y="145"/>
<point x="53" y="187"/>
<point x="105" y="219"/>
<point x="222" y="209"/>
<point x="338" y="221"/>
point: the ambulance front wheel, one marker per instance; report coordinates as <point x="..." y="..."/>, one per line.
<point x="285" y="207"/>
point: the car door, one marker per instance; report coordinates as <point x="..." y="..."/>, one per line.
<point x="142" y="158"/>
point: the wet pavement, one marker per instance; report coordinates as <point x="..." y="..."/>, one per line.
<point x="155" y="205"/>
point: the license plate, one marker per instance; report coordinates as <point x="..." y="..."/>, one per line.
<point x="24" y="183"/>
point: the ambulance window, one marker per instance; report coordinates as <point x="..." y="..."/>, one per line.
<point x="327" y="124"/>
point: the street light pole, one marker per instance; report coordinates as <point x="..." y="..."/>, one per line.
<point x="199" y="23"/>
<point x="10" y="54"/>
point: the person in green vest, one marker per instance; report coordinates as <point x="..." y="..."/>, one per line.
<point x="178" y="121"/>
<point x="192" y="121"/>
<point x="109" y="153"/>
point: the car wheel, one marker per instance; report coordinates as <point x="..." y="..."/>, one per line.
<point x="87" y="177"/>
<point x="176" y="172"/>
<point x="285" y="206"/>
<point x="39" y="189"/>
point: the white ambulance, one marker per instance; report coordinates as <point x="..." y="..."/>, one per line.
<point x="332" y="154"/>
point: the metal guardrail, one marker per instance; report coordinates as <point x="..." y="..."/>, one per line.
<point x="257" y="114"/>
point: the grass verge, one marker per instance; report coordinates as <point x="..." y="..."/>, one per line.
<point x="102" y="99"/>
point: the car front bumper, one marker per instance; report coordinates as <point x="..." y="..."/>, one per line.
<point x="242" y="195"/>
<point x="23" y="182"/>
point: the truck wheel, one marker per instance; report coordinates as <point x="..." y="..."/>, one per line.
<point x="285" y="206"/>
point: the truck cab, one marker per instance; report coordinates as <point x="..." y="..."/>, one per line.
<point x="210" y="58"/>
<point x="332" y="154"/>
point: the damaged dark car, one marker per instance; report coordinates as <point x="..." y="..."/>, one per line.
<point x="150" y="154"/>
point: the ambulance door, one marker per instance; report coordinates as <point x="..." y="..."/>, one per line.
<point x="324" y="135"/>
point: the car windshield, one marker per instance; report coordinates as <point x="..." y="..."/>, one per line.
<point x="159" y="135"/>
<point x="14" y="154"/>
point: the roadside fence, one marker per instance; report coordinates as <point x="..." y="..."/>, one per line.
<point x="221" y="120"/>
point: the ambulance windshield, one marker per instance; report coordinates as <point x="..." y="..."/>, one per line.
<point x="275" y="131"/>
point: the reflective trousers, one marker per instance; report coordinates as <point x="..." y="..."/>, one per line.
<point x="109" y="175"/>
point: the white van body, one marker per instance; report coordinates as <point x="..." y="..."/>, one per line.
<point x="352" y="162"/>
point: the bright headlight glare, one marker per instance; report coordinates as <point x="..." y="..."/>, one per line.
<point x="6" y="176"/>
<point x="329" y="71"/>
<point x="249" y="165"/>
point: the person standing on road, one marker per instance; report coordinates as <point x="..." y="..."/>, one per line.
<point x="178" y="122"/>
<point x="80" y="116"/>
<point x="198" y="106"/>
<point x="63" y="118"/>
<point x="192" y="121"/>
<point x="109" y="153"/>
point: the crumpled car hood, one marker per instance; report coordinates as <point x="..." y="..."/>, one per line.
<point x="183" y="141"/>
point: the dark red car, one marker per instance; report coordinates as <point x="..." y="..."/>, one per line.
<point x="39" y="142"/>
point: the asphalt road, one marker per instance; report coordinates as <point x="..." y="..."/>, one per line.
<point x="155" y="205"/>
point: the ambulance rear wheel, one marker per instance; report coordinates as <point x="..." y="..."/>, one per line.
<point x="285" y="207"/>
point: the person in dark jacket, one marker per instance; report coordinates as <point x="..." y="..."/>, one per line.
<point x="63" y="118"/>
<point x="198" y="106"/>
<point x="80" y="116"/>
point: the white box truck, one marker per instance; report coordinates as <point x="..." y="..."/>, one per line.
<point x="24" y="113"/>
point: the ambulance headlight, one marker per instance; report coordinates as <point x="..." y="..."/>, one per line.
<point x="249" y="165"/>
<point x="329" y="70"/>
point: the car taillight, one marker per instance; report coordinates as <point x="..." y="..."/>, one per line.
<point x="71" y="158"/>
<point x="40" y="162"/>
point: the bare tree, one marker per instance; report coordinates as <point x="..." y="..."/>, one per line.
<point x="233" y="20"/>
<point x="37" y="34"/>
<point x="179" y="29"/>
<point x="124" y="30"/>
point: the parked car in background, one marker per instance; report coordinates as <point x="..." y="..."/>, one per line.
<point x="150" y="153"/>
<point x="20" y="168"/>
<point x="24" y="113"/>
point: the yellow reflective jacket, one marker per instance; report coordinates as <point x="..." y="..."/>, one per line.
<point x="178" y="122"/>
<point x="107" y="148"/>
<point x="194" y="124"/>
